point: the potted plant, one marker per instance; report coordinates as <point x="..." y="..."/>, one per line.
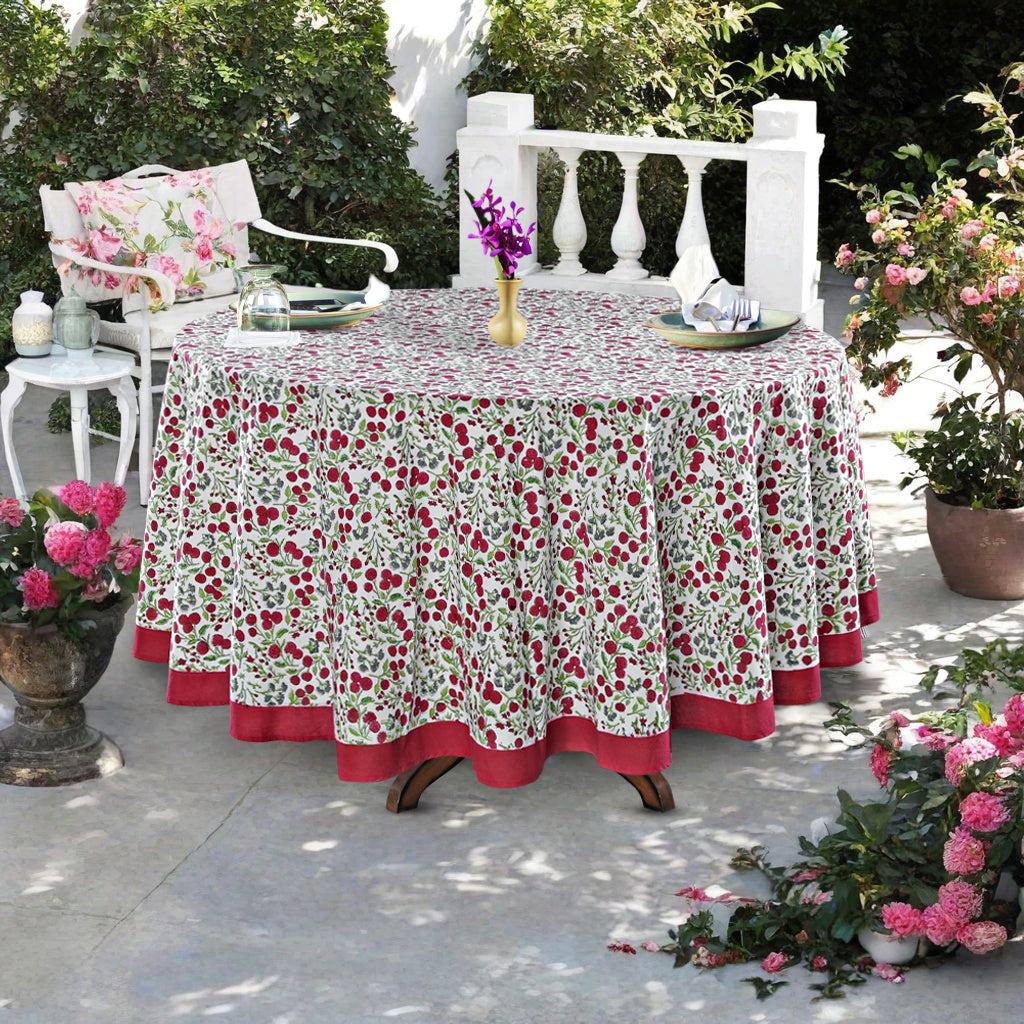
<point x="957" y="262"/>
<point x="65" y="585"/>
<point x="921" y="863"/>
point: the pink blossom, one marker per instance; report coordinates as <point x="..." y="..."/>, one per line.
<point x="774" y="962"/>
<point x="935" y="739"/>
<point x="972" y="228"/>
<point x="873" y="216"/>
<point x="899" y="719"/>
<point x="887" y="390"/>
<point x="622" y="947"/>
<point x="809" y="875"/>
<point x="880" y="758"/>
<point x="127" y="555"/>
<point x="105" y="246"/>
<point x="651" y="947"/>
<point x="1013" y="712"/>
<point x="981" y="936"/>
<point x="965" y="753"/>
<point x="705" y="958"/>
<point x="878" y="237"/>
<point x="983" y="812"/>
<point x="902" y="919"/>
<point x="970" y="296"/>
<point x="11" y="511"/>
<point x="844" y="257"/>
<point x="199" y="215"/>
<point x="93" y="554"/>
<point x="915" y="275"/>
<point x="168" y="266"/>
<point x="960" y="900"/>
<point x="63" y="542"/>
<point x="693" y="893"/>
<point x="895" y="274"/>
<point x="998" y="733"/>
<point x="861" y="283"/>
<point x="963" y="854"/>
<point x="851" y="326"/>
<point x="203" y="249"/>
<point x="95" y="591"/>
<point x="987" y="243"/>
<point x="887" y="972"/>
<point x="819" y="963"/>
<point x="110" y="500"/>
<point x="37" y="589"/>
<point x="938" y="925"/>
<point x="905" y="249"/>
<point x="78" y="497"/>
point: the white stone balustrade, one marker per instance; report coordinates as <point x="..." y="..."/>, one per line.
<point x="500" y="143"/>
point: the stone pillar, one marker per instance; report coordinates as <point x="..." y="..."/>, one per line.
<point x="489" y="151"/>
<point x="781" y="266"/>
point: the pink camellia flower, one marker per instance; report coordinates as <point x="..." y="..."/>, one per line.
<point x="880" y="758"/>
<point x="902" y="919"/>
<point x="819" y="963"/>
<point x="109" y="503"/>
<point x="37" y="589"/>
<point x="873" y="216"/>
<point x="960" y="900"/>
<point x="965" y="753"/>
<point x="861" y="283"/>
<point x="844" y="257"/>
<point x="970" y="296"/>
<point x="963" y="854"/>
<point x="938" y="925"/>
<point x="1013" y="712"/>
<point x="78" y="497"/>
<point x="915" y="275"/>
<point x="11" y="512"/>
<point x="981" y="936"/>
<point x="905" y="249"/>
<point x="971" y="229"/>
<point x="878" y="237"/>
<point x="887" y="972"/>
<point x="95" y="550"/>
<point x="774" y="962"/>
<point x="64" y="541"/>
<point x="895" y="274"/>
<point x="127" y="555"/>
<point x="983" y="812"/>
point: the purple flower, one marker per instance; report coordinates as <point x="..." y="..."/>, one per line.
<point x="502" y="237"/>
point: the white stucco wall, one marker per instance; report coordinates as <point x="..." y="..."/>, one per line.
<point x="429" y="42"/>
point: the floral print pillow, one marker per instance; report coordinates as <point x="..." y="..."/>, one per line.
<point x="173" y="224"/>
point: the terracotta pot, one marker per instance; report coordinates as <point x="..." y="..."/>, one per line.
<point x="979" y="550"/>
<point x="49" y="743"/>
<point x="508" y="326"/>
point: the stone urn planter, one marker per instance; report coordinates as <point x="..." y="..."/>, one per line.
<point x="50" y="743"/>
<point x="979" y="550"/>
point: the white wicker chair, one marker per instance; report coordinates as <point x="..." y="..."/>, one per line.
<point x="151" y="335"/>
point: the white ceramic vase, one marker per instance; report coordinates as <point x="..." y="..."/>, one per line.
<point x="888" y="949"/>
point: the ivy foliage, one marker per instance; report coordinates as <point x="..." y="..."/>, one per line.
<point x="298" y="88"/>
<point x="644" y="67"/>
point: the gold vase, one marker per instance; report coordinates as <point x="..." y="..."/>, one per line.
<point x="508" y="326"/>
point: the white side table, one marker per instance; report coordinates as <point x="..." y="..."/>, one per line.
<point x="78" y="376"/>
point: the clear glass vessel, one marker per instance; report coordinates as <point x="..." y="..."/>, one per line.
<point x="263" y="303"/>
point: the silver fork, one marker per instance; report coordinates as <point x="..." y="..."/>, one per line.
<point x="742" y="309"/>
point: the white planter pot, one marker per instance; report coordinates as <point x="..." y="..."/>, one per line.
<point x="888" y="949"/>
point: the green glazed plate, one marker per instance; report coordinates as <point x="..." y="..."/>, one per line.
<point x="311" y="319"/>
<point x="772" y="324"/>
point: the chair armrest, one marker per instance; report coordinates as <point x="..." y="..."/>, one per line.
<point x="162" y="281"/>
<point x="391" y="257"/>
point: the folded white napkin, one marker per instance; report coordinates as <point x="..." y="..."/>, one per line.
<point x="261" y="339"/>
<point x="725" y="324"/>
<point x="376" y="292"/>
<point x="692" y="274"/>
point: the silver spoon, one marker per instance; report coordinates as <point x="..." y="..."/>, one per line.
<point x="709" y="313"/>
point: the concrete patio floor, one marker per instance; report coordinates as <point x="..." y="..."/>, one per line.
<point x="213" y="879"/>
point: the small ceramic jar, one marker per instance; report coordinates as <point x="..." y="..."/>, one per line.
<point x="31" y="326"/>
<point x="76" y="327"/>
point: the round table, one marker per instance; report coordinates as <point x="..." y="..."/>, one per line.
<point x="409" y="541"/>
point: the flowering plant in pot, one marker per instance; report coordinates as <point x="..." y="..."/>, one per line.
<point x="65" y="586"/>
<point x="922" y="862"/>
<point x="956" y="261"/>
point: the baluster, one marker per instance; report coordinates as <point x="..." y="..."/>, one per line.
<point x="628" y="236"/>
<point x="569" y="232"/>
<point x="696" y="266"/>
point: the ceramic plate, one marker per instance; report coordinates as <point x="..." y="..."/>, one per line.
<point x="772" y="324"/>
<point x="306" y="317"/>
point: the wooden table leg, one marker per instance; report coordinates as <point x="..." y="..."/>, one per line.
<point x="407" y="789"/>
<point x="654" y="790"/>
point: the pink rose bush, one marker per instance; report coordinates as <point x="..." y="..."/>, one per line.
<point x="920" y="861"/>
<point x="59" y="558"/>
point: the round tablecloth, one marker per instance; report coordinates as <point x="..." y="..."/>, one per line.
<point x="408" y="540"/>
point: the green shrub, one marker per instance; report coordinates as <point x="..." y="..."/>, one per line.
<point x="663" y="67"/>
<point x="298" y="88"/>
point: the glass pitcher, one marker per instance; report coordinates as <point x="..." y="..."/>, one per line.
<point x="76" y="327"/>
<point x="262" y="304"/>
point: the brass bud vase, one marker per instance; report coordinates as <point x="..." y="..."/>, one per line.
<point x="508" y="326"/>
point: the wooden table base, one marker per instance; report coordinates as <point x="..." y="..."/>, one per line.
<point x="407" y="789"/>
